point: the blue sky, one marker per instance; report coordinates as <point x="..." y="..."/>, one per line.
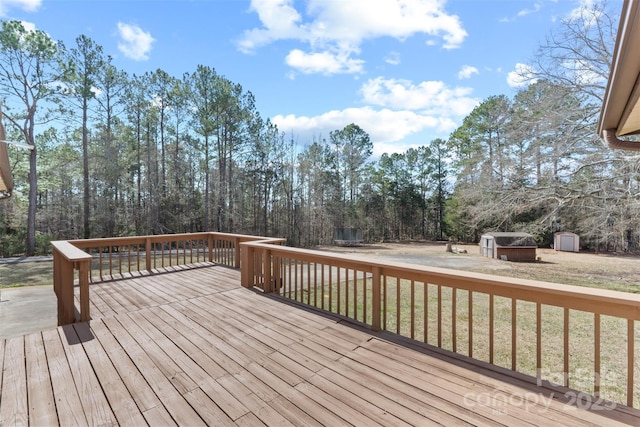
<point x="406" y="71"/>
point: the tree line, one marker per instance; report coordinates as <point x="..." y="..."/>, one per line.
<point x="118" y="154"/>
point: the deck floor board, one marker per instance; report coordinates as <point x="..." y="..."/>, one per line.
<point x="192" y="347"/>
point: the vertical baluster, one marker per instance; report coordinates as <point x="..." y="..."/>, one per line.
<point x="286" y="285"/>
<point x="439" y="316"/>
<point x="491" y="321"/>
<point x="295" y="285"/>
<point x="322" y="266"/>
<point x="110" y="262"/>
<point x="398" y="295"/>
<point x="308" y="283"/>
<point x="346" y="292"/>
<point x="539" y="341"/>
<point x="355" y="294"/>
<point x="454" y="319"/>
<point x="425" y="311"/>
<point x="631" y="338"/>
<point x="376" y="302"/>
<point x="384" y="303"/>
<point x="566" y="347"/>
<point x="596" y="353"/>
<point x="315" y="285"/>
<point x="339" y="292"/>
<point x="331" y="288"/>
<point x="514" y="324"/>
<point x="413" y="309"/>
<point x="364" y="297"/>
<point x="470" y="325"/>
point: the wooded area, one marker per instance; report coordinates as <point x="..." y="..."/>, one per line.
<point x="118" y="154"/>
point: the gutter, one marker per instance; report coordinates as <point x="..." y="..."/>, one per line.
<point x="609" y="136"/>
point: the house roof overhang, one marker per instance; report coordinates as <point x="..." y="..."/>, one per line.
<point x="620" y="113"/>
<point x="6" y="181"/>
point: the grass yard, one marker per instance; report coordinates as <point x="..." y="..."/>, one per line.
<point x="26" y="273"/>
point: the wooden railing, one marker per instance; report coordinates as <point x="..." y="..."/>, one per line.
<point x="98" y="260"/>
<point x="68" y="259"/>
<point x="562" y="336"/>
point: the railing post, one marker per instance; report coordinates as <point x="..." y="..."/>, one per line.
<point x="83" y="279"/>
<point x="268" y="279"/>
<point x="66" y="309"/>
<point x="147" y="250"/>
<point x="236" y="247"/>
<point x="247" y="272"/>
<point x="376" y="303"/>
<point x="277" y="275"/>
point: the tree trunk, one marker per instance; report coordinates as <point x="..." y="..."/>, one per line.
<point x="85" y="171"/>
<point x="33" y="200"/>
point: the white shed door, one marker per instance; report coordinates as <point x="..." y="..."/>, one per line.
<point x="566" y="243"/>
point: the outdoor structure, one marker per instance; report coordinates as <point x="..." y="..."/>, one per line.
<point x="348" y="236"/>
<point x="620" y="113"/>
<point x="566" y="242"/>
<point x="508" y="246"/>
<point x="6" y="181"/>
<point x="224" y="329"/>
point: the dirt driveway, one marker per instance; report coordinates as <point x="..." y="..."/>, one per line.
<point x="611" y="271"/>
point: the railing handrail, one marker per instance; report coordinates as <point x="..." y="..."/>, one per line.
<point x="70" y="256"/>
<point x="85" y="243"/>
<point x="580" y="298"/>
<point x="361" y="294"/>
<point x="69" y="251"/>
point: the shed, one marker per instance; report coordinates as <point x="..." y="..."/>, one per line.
<point x="567" y="242"/>
<point x="508" y="246"/>
<point x="348" y="236"/>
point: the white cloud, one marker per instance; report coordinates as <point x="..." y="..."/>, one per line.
<point x="467" y="71"/>
<point x="524" y="12"/>
<point x="339" y="27"/>
<point x="396" y="110"/>
<point x="431" y="97"/>
<point x="384" y="126"/>
<point x="323" y="62"/>
<point x="393" y="58"/>
<point x="522" y="75"/>
<point x="28" y="26"/>
<point x="536" y="8"/>
<point x="280" y="20"/>
<point x="135" y="43"/>
<point x="587" y="10"/>
<point x="26" y="5"/>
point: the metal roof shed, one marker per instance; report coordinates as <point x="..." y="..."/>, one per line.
<point x="508" y="246"/>
<point x="566" y="242"/>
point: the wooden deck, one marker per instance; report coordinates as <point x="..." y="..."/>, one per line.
<point x="194" y="348"/>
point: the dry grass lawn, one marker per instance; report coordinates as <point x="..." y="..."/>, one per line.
<point x="608" y="271"/>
